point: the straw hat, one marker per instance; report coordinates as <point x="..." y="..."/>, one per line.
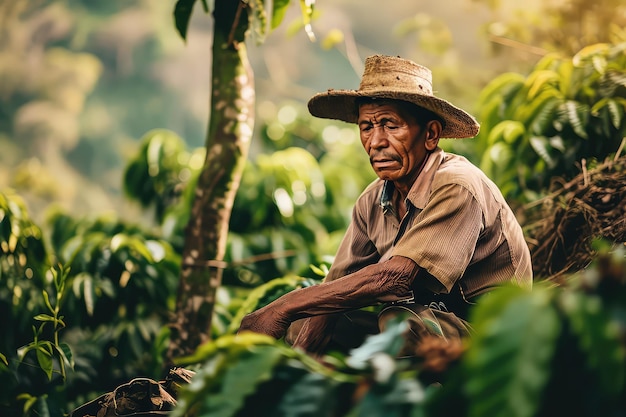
<point x="394" y="78"/>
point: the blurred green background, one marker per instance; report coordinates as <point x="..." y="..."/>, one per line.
<point x="81" y="81"/>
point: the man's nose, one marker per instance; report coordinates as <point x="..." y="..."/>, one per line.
<point x="379" y="137"/>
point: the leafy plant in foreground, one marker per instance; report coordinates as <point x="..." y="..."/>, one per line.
<point x="555" y="350"/>
<point x="52" y="356"/>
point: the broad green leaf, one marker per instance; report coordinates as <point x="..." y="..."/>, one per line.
<point x="490" y="115"/>
<point x="502" y="87"/>
<point x="599" y="63"/>
<point x="507" y="130"/>
<point x="83" y="285"/>
<point x="541" y="119"/>
<point x="501" y="154"/>
<point x="589" y="52"/>
<point x="241" y="341"/>
<point x="66" y="354"/>
<point x="569" y="84"/>
<point x="576" y="115"/>
<point x="391" y="400"/>
<point x="310" y="395"/>
<point x="182" y="16"/>
<point x="232" y="368"/>
<point x="616" y="112"/>
<point x="123" y="241"/>
<point x="241" y="379"/>
<point x="29" y="401"/>
<point x="387" y="342"/>
<point x="252" y="301"/>
<point x="44" y="358"/>
<point x="550" y="61"/>
<point x="541" y="145"/>
<point x="539" y="80"/>
<point x="509" y="358"/>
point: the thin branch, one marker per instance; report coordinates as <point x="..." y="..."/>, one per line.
<point x="518" y="45"/>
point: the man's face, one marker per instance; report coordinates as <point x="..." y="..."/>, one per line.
<point x="395" y="142"/>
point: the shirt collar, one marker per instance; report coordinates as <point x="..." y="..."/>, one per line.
<point x="420" y="190"/>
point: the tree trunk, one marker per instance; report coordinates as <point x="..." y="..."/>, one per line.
<point x="227" y="143"/>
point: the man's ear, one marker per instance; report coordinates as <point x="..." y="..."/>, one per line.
<point x="433" y="131"/>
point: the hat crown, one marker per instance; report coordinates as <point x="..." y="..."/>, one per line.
<point x="385" y="73"/>
<point x="394" y="78"/>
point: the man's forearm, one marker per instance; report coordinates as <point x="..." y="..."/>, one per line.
<point x="388" y="281"/>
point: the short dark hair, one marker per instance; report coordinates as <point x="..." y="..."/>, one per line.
<point x="420" y="114"/>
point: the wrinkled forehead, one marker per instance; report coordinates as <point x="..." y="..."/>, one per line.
<point x="404" y="109"/>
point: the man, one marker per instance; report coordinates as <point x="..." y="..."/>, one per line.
<point x="428" y="237"/>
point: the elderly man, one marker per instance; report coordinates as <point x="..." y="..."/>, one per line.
<point x="428" y="237"/>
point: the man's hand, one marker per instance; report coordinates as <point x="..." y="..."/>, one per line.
<point x="268" y="320"/>
<point x="315" y="334"/>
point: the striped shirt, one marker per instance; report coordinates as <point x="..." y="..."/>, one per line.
<point x="458" y="227"/>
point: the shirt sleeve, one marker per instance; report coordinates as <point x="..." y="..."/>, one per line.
<point x="443" y="238"/>
<point x="356" y="249"/>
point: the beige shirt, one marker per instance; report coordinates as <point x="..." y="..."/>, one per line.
<point x="458" y="227"/>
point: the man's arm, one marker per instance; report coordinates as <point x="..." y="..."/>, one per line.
<point x="378" y="283"/>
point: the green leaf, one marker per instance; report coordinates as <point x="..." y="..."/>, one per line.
<point x="576" y="114"/>
<point x="44" y="358"/>
<point x="510" y="354"/>
<point x="507" y="130"/>
<point x="391" y="400"/>
<point x="287" y="283"/>
<point x="211" y="348"/>
<point x="501" y="154"/>
<point x="539" y="80"/>
<point x="279" y="9"/>
<point x="311" y="395"/>
<point x="241" y="379"/>
<point x="388" y="342"/>
<point x="44" y="317"/>
<point x="233" y="367"/>
<point x="65" y="352"/>
<point x="541" y="119"/>
<point x="29" y="401"/>
<point x="598" y="337"/>
<point x="85" y="281"/>
<point x="589" y="52"/>
<point x="540" y="144"/>
<point x="46" y="299"/>
<point x="502" y="87"/>
<point x="616" y="111"/>
<point x="182" y="16"/>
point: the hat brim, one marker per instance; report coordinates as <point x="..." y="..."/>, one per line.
<point x="341" y="105"/>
